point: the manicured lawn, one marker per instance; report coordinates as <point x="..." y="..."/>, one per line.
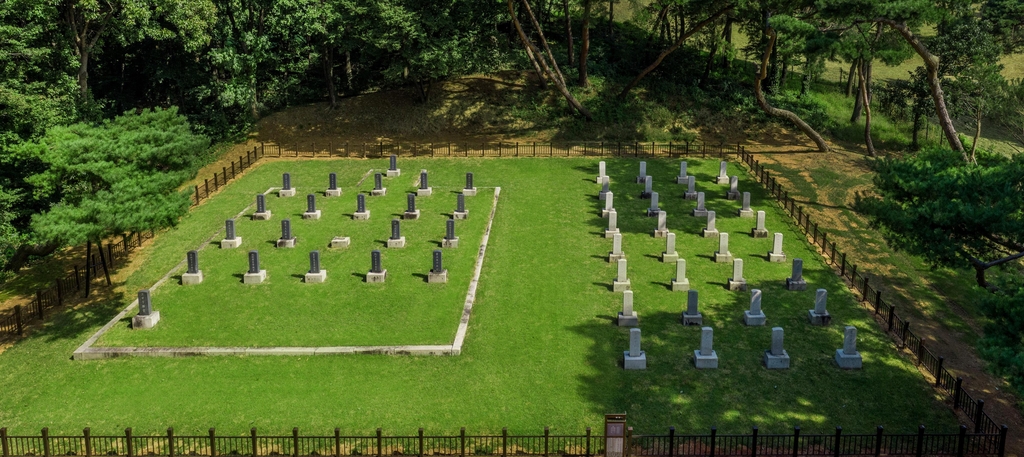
<point x="541" y="350"/>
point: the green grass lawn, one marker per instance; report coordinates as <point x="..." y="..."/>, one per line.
<point x="542" y="349"/>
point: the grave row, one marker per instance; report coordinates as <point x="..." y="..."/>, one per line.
<point x="288" y="239"/>
<point x="361" y="213"/>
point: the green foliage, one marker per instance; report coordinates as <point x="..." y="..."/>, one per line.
<point x="1003" y="342"/>
<point x="117" y="177"/>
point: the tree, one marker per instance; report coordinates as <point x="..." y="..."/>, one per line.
<point x="908" y="100"/>
<point x="950" y="212"/>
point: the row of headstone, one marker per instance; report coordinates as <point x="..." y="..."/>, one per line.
<point x="361" y="213"/>
<point x="775" y="357"/>
<point x="288" y="240"/>
<point x="257" y="275"/>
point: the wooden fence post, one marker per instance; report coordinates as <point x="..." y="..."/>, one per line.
<point x="380" y="443"/>
<point x="39" y="304"/>
<point x="19" y="320"/>
<point x="254" y="442"/>
<point x="337" y="431"/>
<point x="4" y="442"/>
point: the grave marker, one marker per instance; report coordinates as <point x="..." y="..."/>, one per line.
<point x="691" y="188"/>
<point x="286" y="240"/>
<point x="470" y="189"/>
<point x="332" y="186"/>
<point x="361" y="213"/>
<point x="680" y="282"/>
<point x="737" y="282"/>
<point x="670" y="255"/>
<point x="613" y="224"/>
<point x="255" y="275"/>
<point x="848" y="357"/>
<point x="776" y="358"/>
<point x="605" y="188"/>
<point x="146" y="318"/>
<point x="378" y="186"/>
<point x="759" y="231"/>
<point x="710" y="231"/>
<point x="634" y="358"/>
<point x="601" y="172"/>
<point x="662" y="230"/>
<point x="460" y="207"/>
<point x="648" y="188"/>
<point x="616" y="253"/>
<point x="776" y="254"/>
<point x="754" y="316"/>
<point x="315" y="274"/>
<point x="722" y="255"/>
<point x="286" y="186"/>
<point x="411" y="212"/>
<point x="653" y="209"/>
<point x="819" y="315"/>
<point x="691" y="315"/>
<point x="193" y="275"/>
<point x="705" y="357"/>
<point x="734" y="192"/>
<point x="722" y="177"/>
<point x="231" y="239"/>
<point x="424" y="190"/>
<point x="311" y="211"/>
<point x="393" y="170"/>
<point x="797" y="281"/>
<point x="621" y="282"/>
<point x="745" y="210"/>
<point x="437" y="274"/>
<point x="682" y="178"/>
<point x="700" y="210"/>
<point x="377" y="273"/>
<point x="609" y="202"/>
<point x="627" y="317"/>
<point x="643" y="173"/>
<point x="262" y="213"/>
<point x="396" y="240"/>
<point x="450" y="240"/>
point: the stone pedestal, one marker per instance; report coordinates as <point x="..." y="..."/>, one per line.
<point x="408" y="215"/>
<point x="452" y="243"/>
<point x="777" y="258"/>
<point x="264" y="216"/>
<point x="332" y="193"/>
<point x="469" y="192"/>
<point x="799" y="284"/>
<point x="231" y="243"/>
<point x="255" y="278"/>
<point x="681" y="286"/>
<point x="693" y="319"/>
<point x="286" y="243"/>
<point x="604" y="213"/>
<point x="754" y="320"/>
<point x="746" y="213"/>
<point x="849" y="361"/>
<point x="361" y="215"/>
<point x="610" y="233"/>
<point x="376" y="277"/>
<point x="628" y="321"/>
<point x="339" y="242"/>
<point x="669" y="257"/>
<point x="819" y="319"/>
<point x="311" y="215"/>
<point x="758" y="233"/>
<point x="602" y="195"/>
<point x="619" y="286"/>
<point x="721" y="180"/>
<point x="435" y="278"/>
<point x="459" y="215"/>
<point x="634" y="363"/>
<point x="661" y="233"/>
<point x="776" y="362"/>
<point x="379" y="192"/>
<point x="705" y="361"/>
<point x="709" y="233"/>
<point x="614" y="258"/>
<point x="141" y="322"/>
<point x="732" y="195"/>
<point x="424" y="192"/>
<point x="723" y="258"/>
<point x="286" y="192"/>
<point x="653" y="212"/>
<point x="690" y="195"/>
<point x="739" y="285"/>
<point x="681" y="179"/>
<point x="699" y="212"/>
<point x="314" y="278"/>
<point x="394" y="173"/>
<point x="189" y="279"/>
<point x="399" y="243"/>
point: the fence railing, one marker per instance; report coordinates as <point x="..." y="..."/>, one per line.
<point x="500" y="149"/>
<point x="897" y="326"/>
<point x="545" y="444"/>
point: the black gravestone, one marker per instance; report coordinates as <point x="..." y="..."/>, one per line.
<point x="254" y="261"/>
<point x="393" y="164"/>
<point x="411" y="205"/>
<point x="396" y="231"/>
<point x="192" y="258"/>
<point x="460" y="203"/>
<point x="286" y="229"/>
<point x="332" y="181"/>
<point x="360" y="203"/>
<point x="469" y="180"/>
<point x="423" y="180"/>
<point x="375" y="262"/>
<point x="377" y="182"/>
<point x="287" y="178"/>
<point x="449" y="229"/>
<point x="310" y="203"/>
<point x="145" y="307"/>
<point x="314" y="261"/>
<point x="261" y="203"/>
<point x="229" y="229"/>
<point x="437" y="261"/>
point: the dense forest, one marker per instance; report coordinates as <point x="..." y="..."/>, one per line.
<point x="108" y="106"/>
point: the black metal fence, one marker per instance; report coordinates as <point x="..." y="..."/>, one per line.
<point x="546" y="444"/>
<point x="500" y="149"/>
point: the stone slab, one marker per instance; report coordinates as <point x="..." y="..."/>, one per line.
<point x="189" y="279"/>
<point x="339" y="242"/>
<point x="735" y="286"/>
<point x="459" y="215"/>
<point x="776" y="362"/>
<point x="450" y="244"/>
<point x="394" y="173"/>
<point x="721" y="180"/>
<point x="796" y="285"/>
<point x="634" y="363"/>
<point x="332" y="193"/>
<point x="732" y="195"/>
<point x="611" y="233"/>
<point x="376" y="277"/>
<point x="424" y="192"/>
<point x="699" y="212"/>
<point x="437" y="278"/>
<point x="723" y="258"/>
<point x="286" y="193"/>
<point x="746" y="213"/>
<point x="667" y="257"/>
<point x="759" y="233"/>
<point x="143" y="322"/>
<point x="776" y="258"/>
<point x="682" y="179"/>
<point x="661" y="233"/>
<point x="627" y="321"/>
<point x="411" y="215"/>
<point x="614" y="258"/>
<point x="379" y="192"/>
<point x="681" y="286"/>
<point x="231" y="243"/>
<point x="705" y="362"/>
<point x="361" y="215"/>
<point x="709" y="233"/>
<point x="754" y="320"/>
<point x="690" y="195"/>
<point x="399" y="243"/>
<point x="849" y="361"/>
<point x="264" y="216"/>
<point x="314" y="278"/>
<point x="255" y="278"/>
<point x="693" y="319"/>
<point x="283" y="243"/>
<point x="619" y="286"/>
<point x="819" y="319"/>
<point x="311" y="215"/>
<point x="469" y="192"/>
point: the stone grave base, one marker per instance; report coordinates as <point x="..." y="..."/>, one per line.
<point x="314" y="278"/>
<point x="627" y="321"/>
<point x="141" y="322"/>
<point x="693" y="319"/>
<point x="311" y="215"/>
<point x="699" y="212"/>
<point x="758" y="233"/>
<point x="189" y="279"/>
<point x="602" y="195"/>
<point x="680" y="286"/>
<point x="754" y="320"/>
<point x="424" y="192"/>
<point x="682" y="179"/>
<point x="776" y="362"/>
<point x="619" y="286"/>
<point x="376" y="277"/>
<point x="286" y="193"/>
<point x="379" y="192"/>
<point x="723" y="258"/>
<point x="849" y="361"/>
<point x="340" y="242"/>
<point x="361" y="215"/>
<point x="452" y="243"/>
<point x="283" y="243"/>
<point x="732" y="195"/>
<point x="645" y="196"/>
<point x="799" y="284"/>
<point x="661" y="233"/>
<point x="641" y="179"/>
<point x="709" y="233"/>
<point x="332" y="193"/>
<point x="469" y="192"/>
<point x="264" y="216"/>
<point x="604" y="213"/>
<point x="459" y="215"/>
<point x="599" y="179"/>
<point x="667" y="257"/>
<point x="689" y="195"/>
<point x="721" y="180"/>
<point x="255" y="278"/>
<point x="705" y="361"/>
<point x="614" y="258"/>
<point x="410" y="215"/>
<point x="819" y="319"/>
<point x="634" y="363"/>
<point x="610" y="233"/>
<point x="394" y="173"/>
<point x="735" y="286"/>
<point x="777" y="258"/>
<point x="653" y="212"/>
<point x="231" y="243"/>
<point x="437" y="278"/>
<point x="746" y="213"/>
<point x="399" y="243"/>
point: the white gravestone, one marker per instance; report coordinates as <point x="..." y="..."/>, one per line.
<point x="662" y="230"/>
<point x="722" y="178"/>
<point x="691" y="315"/>
<point x="710" y="231"/>
<point x="627" y="317"/>
<point x="613" y="224"/>
<point x="797" y="281"/>
<point x="819" y="315"/>
<point x="670" y="255"/>
<point x="634" y="358"/>
<point x="755" y="315"/>
<point x="759" y="231"/>
<point x="621" y="282"/>
<point x="680" y="282"/>
<point x="648" y="187"/>
<point x="609" y="202"/>
<point x="653" y="209"/>
<point x="722" y="255"/>
<point x="705" y="357"/>
<point x="745" y="210"/>
<point x="700" y="210"/>
<point x="776" y="254"/>
<point x="601" y="172"/>
<point x="848" y="357"/>
<point x="682" y="178"/>
<point x="643" y="173"/>
<point x="776" y="358"/>
<point x="734" y="192"/>
<point x="605" y="188"/>
<point x="737" y="282"/>
<point x="691" y="188"/>
<point x="616" y="253"/>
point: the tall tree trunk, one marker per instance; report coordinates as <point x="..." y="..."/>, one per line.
<point x="568" y="32"/>
<point x="977" y="132"/>
<point x="543" y="42"/>
<point x="932" y="67"/>
<point x="329" y="76"/>
<point x="711" y="60"/>
<point x="348" y="69"/>
<point x="850" y="77"/>
<point x="657" y="29"/>
<point x="776" y="112"/>
<point x="867" y="112"/>
<point x="915" y="143"/>
<point x="858" y="103"/>
<point x="104" y="261"/>
<point x="88" y="266"/>
<point x="83" y="74"/>
<point x="727" y="35"/>
<point x="700" y="25"/>
<point x="541" y="78"/>
<point x="585" y="44"/>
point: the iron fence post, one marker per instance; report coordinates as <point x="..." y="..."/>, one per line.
<point x="960" y="439"/>
<point x="295" y="430"/>
<point x="380" y="443"/>
<point x="462" y="442"/>
<point x="504" y="441"/>
<point x="170" y="441"/>
<point x="337" y="431"/>
<point x="671" y="441"/>
<point x="128" y="442"/>
<point x="836" y="446"/>
<point x="588" y="442"/>
<point x="920" y="441"/>
<point x="4" y="444"/>
<point x="1002" y="439"/>
<point x="46" y="442"/>
<point x="878" y="441"/>
<point x="957" y="388"/>
<point x="904" y="331"/>
<point x="979" y="412"/>
<point x="753" y="442"/>
<point x="87" y="435"/>
<point x="419" y="434"/>
<point x="546" y="435"/>
<point x="255" y="442"/>
<point x="213" y="442"/>
<point x="878" y="299"/>
<point x="938" y="372"/>
<point x="711" y="445"/>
